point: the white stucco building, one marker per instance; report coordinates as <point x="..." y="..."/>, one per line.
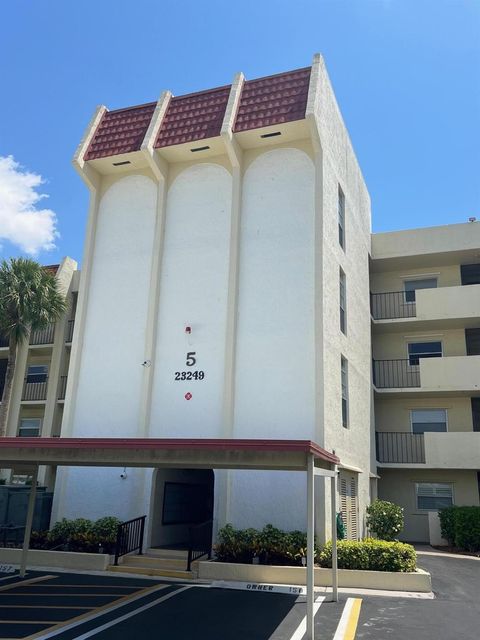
<point x="225" y="293"/>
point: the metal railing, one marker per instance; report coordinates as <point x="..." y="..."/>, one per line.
<point x="392" y="304"/>
<point x="62" y="388"/>
<point x="4" y="342"/>
<point x="129" y="537"/>
<point x="395" y="374"/>
<point x="400" y="447"/>
<point x="43" y="336"/>
<point x="69" y="330"/>
<point x="35" y="390"/>
<point x="199" y="541"/>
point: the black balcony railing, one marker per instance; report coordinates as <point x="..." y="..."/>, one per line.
<point x="401" y="447"/>
<point x="199" y="541"/>
<point x="35" y="390"/>
<point x="395" y="374"/>
<point x="394" y="304"/>
<point x="4" y="342"/>
<point x="69" y="331"/>
<point x="43" y="336"/>
<point x="62" y="388"/>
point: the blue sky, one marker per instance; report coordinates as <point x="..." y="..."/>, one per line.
<point x="406" y="74"/>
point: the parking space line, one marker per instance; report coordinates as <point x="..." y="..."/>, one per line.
<point x="40" y="606"/>
<point x="65" y="595"/>
<point x="28" y="621"/>
<point x="112" y="623"/>
<point x="301" y="630"/>
<point x="95" y="613"/>
<point x="22" y="583"/>
<point x="347" y="625"/>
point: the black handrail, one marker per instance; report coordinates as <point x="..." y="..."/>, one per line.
<point x="129" y="537"/>
<point x="400" y="446"/>
<point x="199" y="541"/>
<point x="395" y="374"/>
<point x="393" y="304"/>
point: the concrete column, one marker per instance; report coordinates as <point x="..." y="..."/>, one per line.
<point x="28" y="523"/>
<point x="310" y="546"/>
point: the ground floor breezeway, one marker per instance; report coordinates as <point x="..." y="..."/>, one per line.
<point x="184" y="482"/>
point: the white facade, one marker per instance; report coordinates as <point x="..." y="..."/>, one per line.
<point x="226" y="267"/>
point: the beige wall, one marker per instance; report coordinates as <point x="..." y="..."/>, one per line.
<point x="398" y="486"/>
<point x="387" y="281"/>
<point x="394" y="414"/>
<point x="388" y="346"/>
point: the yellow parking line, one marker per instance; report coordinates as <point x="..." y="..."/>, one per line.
<point x="352" y="623"/>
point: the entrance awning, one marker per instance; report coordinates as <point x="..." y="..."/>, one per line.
<point x="274" y="455"/>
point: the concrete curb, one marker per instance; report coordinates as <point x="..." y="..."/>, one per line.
<point x="63" y="559"/>
<point x="418" y="581"/>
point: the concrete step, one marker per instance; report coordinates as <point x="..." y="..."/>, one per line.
<point x="155" y="562"/>
<point x="152" y="571"/>
<point x="174" y="554"/>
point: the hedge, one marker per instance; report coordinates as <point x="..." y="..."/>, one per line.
<point x="274" y="546"/>
<point x="78" y="535"/>
<point x="370" y="555"/>
<point x="460" y="526"/>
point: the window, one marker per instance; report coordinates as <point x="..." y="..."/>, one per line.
<point x="432" y="496"/>
<point x="411" y="286"/>
<point x="37" y="373"/>
<point x="344" y="368"/>
<point x="417" y="350"/>
<point x="341" y="217"/>
<point x="343" y="302"/>
<point x="29" y="427"/>
<point x="428" y="420"/>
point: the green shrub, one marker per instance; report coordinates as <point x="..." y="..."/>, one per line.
<point x="460" y="526"/>
<point x="385" y="519"/>
<point x="81" y="535"/>
<point x="270" y="545"/>
<point x="64" y="530"/>
<point x="370" y="555"/>
<point x="447" y="524"/>
<point x="106" y="528"/>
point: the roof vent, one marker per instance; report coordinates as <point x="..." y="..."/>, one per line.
<point x="119" y="164"/>
<point x="271" y="135"/>
<point x="199" y="149"/>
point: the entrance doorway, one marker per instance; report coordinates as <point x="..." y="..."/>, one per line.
<point x="182" y="499"/>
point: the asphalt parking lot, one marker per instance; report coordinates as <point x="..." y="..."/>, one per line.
<point x="69" y="606"/>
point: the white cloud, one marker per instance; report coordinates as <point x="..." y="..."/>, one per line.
<point x="21" y="222"/>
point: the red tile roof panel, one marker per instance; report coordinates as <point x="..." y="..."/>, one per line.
<point x="194" y="116"/>
<point x="273" y="100"/>
<point x="120" y="131"/>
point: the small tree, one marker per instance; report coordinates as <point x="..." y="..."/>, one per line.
<point x="385" y="519"/>
<point x="29" y="300"/>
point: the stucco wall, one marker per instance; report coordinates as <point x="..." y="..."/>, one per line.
<point x="398" y="486"/>
<point x="388" y="281"/>
<point x="339" y="167"/>
<point x="394" y="414"/>
<point x="395" y="345"/>
<point x="110" y="372"/>
<point x="193" y="292"/>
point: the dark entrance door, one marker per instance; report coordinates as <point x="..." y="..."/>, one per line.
<point x="472" y="339"/>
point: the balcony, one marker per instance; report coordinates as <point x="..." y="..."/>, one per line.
<point x="446" y="307"/>
<point x="3" y="342"/>
<point x="62" y="388"/>
<point x="400" y="447"/>
<point x="395" y="374"/>
<point x="456" y="375"/>
<point x="43" y="336"/>
<point x="34" y="391"/>
<point x="448" y="450"/>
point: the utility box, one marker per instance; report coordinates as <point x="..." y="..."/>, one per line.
<point x="14" y="505"/>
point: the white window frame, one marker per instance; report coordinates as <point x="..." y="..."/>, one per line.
<point x="420" y="341"/>
<point x="418" y="278"/>
<point x="342" y="280"/>
<point x="417" y="484"/>
<point x="341" y="199"/>
<point x="429" y="409"/>
<point x="346" y="398"/>
<point x="37" y="364"/>
<point x="40" y="425"/>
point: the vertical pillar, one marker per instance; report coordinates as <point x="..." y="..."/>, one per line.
<point x="310" y="546"/>
<point x="333" y="490"/>
<point x="28" y="523"/>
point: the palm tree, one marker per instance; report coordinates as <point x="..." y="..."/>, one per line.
<point x="29" y="300"/>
